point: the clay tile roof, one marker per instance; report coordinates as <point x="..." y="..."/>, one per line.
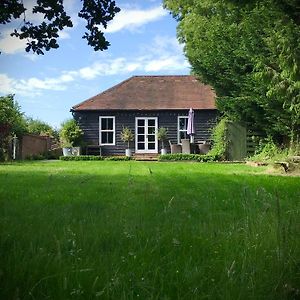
<point x="153" y="93"/>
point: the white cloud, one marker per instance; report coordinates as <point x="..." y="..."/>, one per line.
<point x="165" y="63"/>
<point x="5" y="84"/>
<point x="34" y="86"/>
<point x="133" y="18"/>
<point x="10" y="44"/>
<point x="162" y="55"/>
<point x="64" y="35"/>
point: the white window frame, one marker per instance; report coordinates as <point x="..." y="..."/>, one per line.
<point x="178" y="128"/>
<point x="107" y="130"/>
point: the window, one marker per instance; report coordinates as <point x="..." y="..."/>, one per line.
<point x="107" y="130"/>
<point x="182" y="128"/>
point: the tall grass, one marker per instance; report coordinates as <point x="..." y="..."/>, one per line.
<point x="132" y="230"/>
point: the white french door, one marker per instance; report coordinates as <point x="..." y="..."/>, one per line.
<point x="145" y="135"/>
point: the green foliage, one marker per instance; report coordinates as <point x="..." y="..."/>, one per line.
<point x="269" y="151"/>
<point x="94" y="157"/>
<point x="36" y="126"/>
<point x="70" y="134"/>
<point x="81" y="158"/>
<point x="11" y="123"/>
<point x="127" y="135"/>
<point x="219" y="140"/>
<point x="249" y="52"/>
<point x="118" y="158"/>
<point x="187" y="157"/>
<point x="162" y="135"/>
<point x="43" y="37"/>
<point x="11" y="117"/>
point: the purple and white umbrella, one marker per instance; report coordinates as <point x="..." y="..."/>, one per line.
<point x="191" y="125"/>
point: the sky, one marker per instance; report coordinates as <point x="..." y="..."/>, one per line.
<point x="143" y="42"/>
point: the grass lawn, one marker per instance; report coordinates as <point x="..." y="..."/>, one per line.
<point x="137" y="230"/>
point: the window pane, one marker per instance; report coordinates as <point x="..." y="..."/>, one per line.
<point x="151" y="123"/>
<point x="141" y="146"/>
<point x="151" y="138"/>
<point x="183" y="135"/>
<point x="110" y="137"/>
<point x="104" y="137"/>
<point x="110" y="123"/>
<point x="141" y="130"/>
<point x="182" y="123"/>
<point x="141" y="122"/>
<point x="107" y="123"/>
<point x="141" y="138"/>
<point x="107" y="137"/>
<point x="151" y="146"/>
<point x="151" y="130"/>
<point x="103" y="124"/>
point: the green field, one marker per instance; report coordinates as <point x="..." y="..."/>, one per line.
<point x="137" y="230"/>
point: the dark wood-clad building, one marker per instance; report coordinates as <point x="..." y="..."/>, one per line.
<point x="144" y="103"/>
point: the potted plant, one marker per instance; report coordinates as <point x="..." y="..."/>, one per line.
<point x="70" y="138"/>
<point x="161" y="135"/>
<point x="127" y="136"/>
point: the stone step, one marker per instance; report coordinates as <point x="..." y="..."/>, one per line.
<point x="146" y="157"/>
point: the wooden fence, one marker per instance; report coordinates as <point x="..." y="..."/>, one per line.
<point x="241" y="142"/>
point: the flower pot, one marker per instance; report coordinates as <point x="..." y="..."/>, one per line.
<point x="71" y="151"/>
<point x="128" y="152"/>
<point x="163" y="151"/>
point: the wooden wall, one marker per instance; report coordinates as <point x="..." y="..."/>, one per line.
<point x="89" y="122"/>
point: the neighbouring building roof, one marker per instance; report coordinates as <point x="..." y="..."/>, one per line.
<point x="153" y="93"/>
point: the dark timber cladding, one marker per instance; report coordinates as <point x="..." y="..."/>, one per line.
<point x="163" y="97"/>
<point x="89" y="122"/>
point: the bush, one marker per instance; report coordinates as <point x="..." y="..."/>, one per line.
<point x="70" y="134"/>
<point x="187" y="157"/>
<point x="219" y="140"/>
<point x="81" y="157"/>
<point x="118" y="158"/>
<point x="268" y="151"/>
<point x="94" y="157"/>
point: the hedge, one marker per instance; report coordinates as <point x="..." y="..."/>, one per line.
<point x="187" y="157"/>
<point x="94" y="157"/>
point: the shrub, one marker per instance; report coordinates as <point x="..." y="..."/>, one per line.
<point x="81" y="157"/>
<point x="94" y="157"/>
<point x="70" y="134"/>
<point x="219" y="140"/>
<point x="118" y="158"/>
<point x="187" y="157"/>
<point x="268" y="151"/>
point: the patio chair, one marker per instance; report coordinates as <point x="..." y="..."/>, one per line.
<point x="175" y="148"/>
<point x="203" y="146"/>
<point x="186" y="146"/>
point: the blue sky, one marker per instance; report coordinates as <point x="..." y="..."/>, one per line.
<point x="143" y="42"/>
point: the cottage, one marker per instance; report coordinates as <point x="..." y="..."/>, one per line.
<point x="145" y="103"/>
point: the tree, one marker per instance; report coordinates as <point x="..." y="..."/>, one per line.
<point x="43" y="37"/>
<point x="36" y="126"/>
<point x="11" y="122"/>
<point x="249" y="52"/>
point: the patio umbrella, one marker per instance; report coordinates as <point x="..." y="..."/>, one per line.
<point x="190" y="125"/>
